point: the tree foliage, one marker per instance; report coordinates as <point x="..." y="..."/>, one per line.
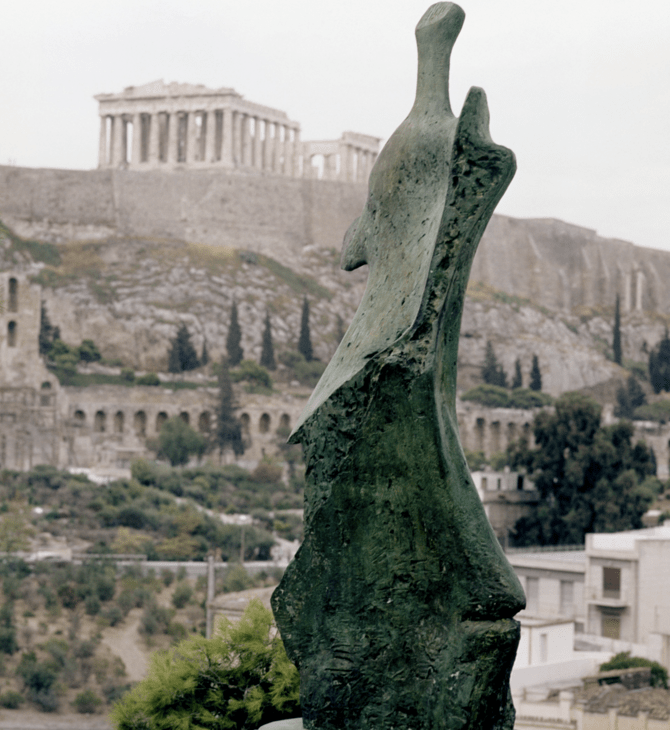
<point x="48" y="333"/>
<point x="535" y="375"/>
<point x="267" y="349"/>
<point x="616" y="333"/>
<point x="234" y="339"/>
<point x="492" y="370"/>
<point x="629" y="397"/>
<point x="517" y="381"/>
<point x="228" y="432"/>
<point x="589" y="477"/>
<point x="305" y="340"/>
<point x="177" y="442"/>
<point x="240" y="678"/>
<point x="623" y="660"/>
<point x="182" y="355"/>
<point x="659" y="365"/>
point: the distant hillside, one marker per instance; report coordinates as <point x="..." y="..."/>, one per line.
<point x="129" y="295"/>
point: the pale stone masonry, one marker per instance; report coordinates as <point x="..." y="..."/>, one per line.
<point x="161" y="125"/>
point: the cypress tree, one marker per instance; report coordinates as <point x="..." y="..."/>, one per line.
<point x="305" y="341"/>
<point x="204" y="357"/>
<point x="659" y="365"/>
<point x="228" y="431"/>
<point x="234" y="339"/>
<point x="518" y="379"/>
<point x="47" y="333"/>
<point x="616" y="335"/>
<point x="182" y="355"/>
<point x="535" y="375"/>
<point x="492" y="371"/>
<point x="267" y="349"/>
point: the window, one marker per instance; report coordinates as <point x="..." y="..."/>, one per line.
<point x="519" y="482"/>
<point x="611" y="626"/>
<point x="13" y="305"/>
<point x="485" y="483"/>
<point x="11" y="334"/>
<point x="99" y="422"/>
<point x="611" y="582"/>
<point x="140" y="424"/>
<point x="160" y="420"/>
<point x="244" y="421"/>
<point x="79" y="418"/>
<point x="264" y="423"/>
<point x="185" y="417"/>
<point x="45" y="398"/>
<point x="118" y="422"/>
<point x="567" y="597"/>
<point x="544" y="649"/>
<point x="532" y="594"/>
<point x="204" y="422"/>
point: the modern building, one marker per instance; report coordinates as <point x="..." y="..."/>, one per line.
<point x="161" y="125"/>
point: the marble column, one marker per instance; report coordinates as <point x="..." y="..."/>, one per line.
<point x="136" y="153"/>
<point x="268" y="146"/>
<point x="297" y="150"/>
<point x="227" y="138"/>
<point x="173" y="138"/>
<point x="210" y="139"/>
<point x="245" y="125"/>
<point x="277" y="150"/>
<point x="258" y="144"/>
<point x="191" y="138"/>
<point x="118" y="140"/>
<point x="102" y="149"/>
<point x="154" y="133"/>
<point x="289" y="154"/>
<point x="237" y="138"/>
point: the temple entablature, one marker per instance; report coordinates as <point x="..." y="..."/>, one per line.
<point x="161" y="125"/>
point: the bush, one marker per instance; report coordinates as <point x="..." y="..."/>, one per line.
<point x="525" y="398"/>
<point x="113" y="614"/>
<point x="241" y="676"/>
<point x="182" y="595"/>
<point x="266" y="473"/>
<point x="492" y="396"/>
<point x="476" y="460"/>
<point x="11" y="700"/>
<point x="623" y="660"/>
<point x="87" y="702"/>
<point x="88" y="351"/>
<point x="659" y="411"/>
<point x="167" y="576"/>
<point x="155" y="619"/>
<point x="128" y="375"/>
<point x="148" y="379"/>
<point x="253" y="373"/>
<point x="92" y="605"/>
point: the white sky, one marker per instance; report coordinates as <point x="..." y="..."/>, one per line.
<point x="579" y="89"/>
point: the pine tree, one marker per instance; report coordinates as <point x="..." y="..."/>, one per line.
<point x="305" y="341"/>
<point x="182" y="355"/>
<point x="518" y="379"/>
<point x="535" y="375"/>
<point x="659" y="365"/>
<point x="228" y="432"/>
<point x="234" y="339"/>
<point x="616" y="335"/>
<point x="267" y="349"/>
<point x="492" y="371"/>
<point x="204" y="357"/>
<point x="47" y="332"/>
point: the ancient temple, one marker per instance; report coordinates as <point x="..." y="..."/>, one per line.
<point x="161" y="125"/>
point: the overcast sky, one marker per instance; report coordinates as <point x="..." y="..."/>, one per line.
<point x="579" y="89"/>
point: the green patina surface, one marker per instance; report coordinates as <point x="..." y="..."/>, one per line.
<point x="398" y="607"/>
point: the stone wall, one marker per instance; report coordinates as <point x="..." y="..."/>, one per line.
<point x="560" y="266"/>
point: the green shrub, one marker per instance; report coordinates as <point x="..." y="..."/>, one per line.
<point x="113" y="615"/>
<point x="88" y="351"/>
<point x="11" y="700"/>
<point x="492" y="396"/>
<point x="87" y="702"/>
<point x="253" y="373"/>
<point x="128" y="375"/>
<point x="476" y="460"/>
<point x="241" y="676"/>
<point x="148" y="379"/>
<point x="623" y="660"/>
<point x="167" y="576"/>
<point x="92" y="605"/>
<point x="525" y="398"/>
<point x="659" y="411"/>
<point x="155" y="619"/>
<point x="182" y="595"/>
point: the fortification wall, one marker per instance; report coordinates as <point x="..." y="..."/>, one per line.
<point x="269" y="214"/>
<point x="555" y="264"/>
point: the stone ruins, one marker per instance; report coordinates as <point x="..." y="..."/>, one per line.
<point x="161" y="125"/>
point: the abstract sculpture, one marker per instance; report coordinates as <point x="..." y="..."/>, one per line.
<point x="398" y="607"/>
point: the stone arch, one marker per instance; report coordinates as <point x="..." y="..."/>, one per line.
<point x="205" y="422"/>
<point x="245" y="422"/>
<point x="511" y="432"/>
<point x="11" y="333"/>
<point x="185" y="417"/>
<point x="284" y="422"/>
<point x="264" y="423"/>
<point x="13" y="304"/>
<point x="100" y="422"/>
<point x="118" y="422"/>
<point x="495" y="436"/>
<point x="160" y="420"/>
<point x="45" y="393"/>
<point x="140" y="424"/>
<point x="79" y="418"/>
<point x="480" y="430"/>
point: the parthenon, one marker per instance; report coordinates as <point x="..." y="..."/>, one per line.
<point x="161" y="125"/>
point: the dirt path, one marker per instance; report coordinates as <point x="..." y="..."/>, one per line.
<point x="126" y="643"/>
<point x="29" y="720"/>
